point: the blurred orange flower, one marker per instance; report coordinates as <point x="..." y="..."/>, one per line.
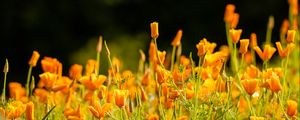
<point x="235" y="35"/>
<point x="120" y="97"/>
<point x="51" y="65"/>
<point x="34" y="58"/>
<point x="176" y="41"/>
<point x="292" y="107"/>
<point x="75" y="71"/>
<point x="267" y="53"/>
<point x="154" y="30"/>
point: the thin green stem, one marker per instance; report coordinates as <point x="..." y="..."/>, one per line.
<point x="268" y="35"/>
<point x="235" y="69"/>
<point x="160" y="62"/>
<point x="125" y="113"/>
<point x="28" y="80"/>
<point x="98" y="61"/>
<point x="281" y="105"/>
<point x="4" y="88"/>
<point x="253" y="56"/>
<point x="173" y="58"/>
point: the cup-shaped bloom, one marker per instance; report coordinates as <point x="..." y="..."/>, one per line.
<point x="266" y="54"/>
<point x="75" y="71"/>
<point x="291" y="107"/>
<point x="274" y="83"/>
<point x="235" y="20"/>
<point x="51" y="65"/>
<point x="229" y="13"/>
<point x="284" y="52"/>
<point x="176" y="41"/>
<point x="250" y="85"/>
<point x="120" y="97"/>
<point x="244" y="43"/>
<point x="253" y="40"/>
<point x="34" y="58"/>
<point x="29" y="111"/>
<point x="235" y="35"/>
<point x="290" y="36"/>
<point x="154" y="30"/>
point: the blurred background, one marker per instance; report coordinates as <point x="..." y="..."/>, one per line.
<point x="69" y="29"/>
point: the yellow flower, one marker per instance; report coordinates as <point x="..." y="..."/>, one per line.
<point x="154" y="30"/>
<point x="30" y="111"/>
<point x="286" y="51"/>
<point x="250" y="85"/>
<point x="291" y="107"/>
<point x="235" y="35"/>
<point x="153" y="117"/>
<point x="290" y="36"/>
<point x="34" y="58"/>
<point x="266" y="54"/>
<point x="120" y="97"/>
<point x="256" y="118"/>
<point x="244" y="43"/>
<point x="176" y="41"/>
<point x="13" y="110"/>
<point x="75" y="71"/>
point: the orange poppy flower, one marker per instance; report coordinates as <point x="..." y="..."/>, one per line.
<point x="29" y="111"/>
<point x="229" y="13"/>
<point x="201" y="49"/>
<point x="266" y="54"/>
<point x="120" y="97"/>
<point x="284" y="27"/>
<point x="173" y="94"/>
<point x="75" y="71"/>
<point x="176" y="41"/>
<point x="47" y="80"/>
<point x="34" y="58"/>
<point x="16" y="90"/>
<point x="253" y="40"/>
<point x="93" y="81"/>
<point x="13" y="110"/>
<point x="291" y="107"/>
<point x="290" y="38"/>
<point x="90" y="66"/>
<point x="154" y="30"/>
<point x="244" y="43"/>
<point x="250" y="85"/>
<point x="42" y="95"/>
<point x="274" y="83"/>
<point x="74" y="114"/>
<point x="99" y="111"/>
<point x="235" y="20"/>
<point x="235" y="35"/>
<point x="286" y="51"/>
<point x="51" y="65"/>
<point x="153" y="117"/>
